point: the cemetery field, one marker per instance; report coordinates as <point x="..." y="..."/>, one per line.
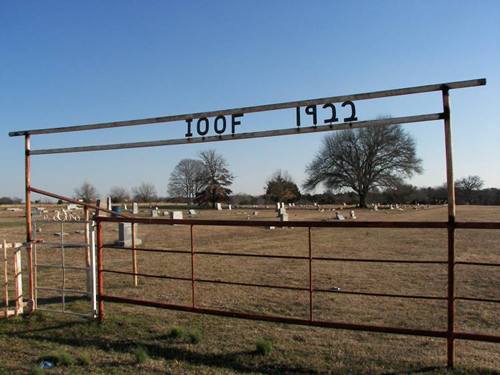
<point x="214" y="345"/>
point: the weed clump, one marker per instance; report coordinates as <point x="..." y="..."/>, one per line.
<point x="140" y="354"/>
<point x="193" y="336"/>
<point x="176" y="332"/>
<point x="83" y="360"/>
<point x="263" y="346"/>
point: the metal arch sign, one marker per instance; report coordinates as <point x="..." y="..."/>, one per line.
<point x="226" y="124"/>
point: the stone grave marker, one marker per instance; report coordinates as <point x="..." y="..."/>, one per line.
<point x="176" y="215"/>
<point x="125" y="235"/>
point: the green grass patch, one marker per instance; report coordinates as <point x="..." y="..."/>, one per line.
<point x="176" y="332"/>
<point x="263" y="346"/>
<point x="192" y="336"/>
<point x="140" y="354"/>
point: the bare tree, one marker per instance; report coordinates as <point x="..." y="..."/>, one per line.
<point x="364" y="159"/>
<point x="216" y="179"/>
<point x="145" y="192"/>
<point x="468" y="185"/>
<point x="119" y="194"/>
<point x="87" y="192"/>
<point x="187" y="179"/>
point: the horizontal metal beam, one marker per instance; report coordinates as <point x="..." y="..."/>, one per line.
<point x="232" y="137"/>
<point x="259" y="108"/>
<point x="278" y="319"/>
<point x="280" y="224"/>
<point x="71" y="200"/>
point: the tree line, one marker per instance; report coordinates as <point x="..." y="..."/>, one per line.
<point x="356" y="166"/>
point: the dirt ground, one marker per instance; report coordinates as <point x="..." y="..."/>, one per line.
<point x="228" y="345"/>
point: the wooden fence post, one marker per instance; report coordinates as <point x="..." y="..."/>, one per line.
<point x="5" y="279"/>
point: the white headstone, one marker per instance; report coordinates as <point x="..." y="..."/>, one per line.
<point x="218" y="206"/>
<point x="283" y="216"/>
<point x="109" y="205"/>
<point x="125" y="235"/>
<point x="176" y="215"/>
<point x="391" y="207"/>
<point x="154" y="213"/>
<point x="353" y="215"/>
<point x="72" y="206"/>
<point x="229" y="207"/>
<point x="135" y="208"/>
<point x="339" y="216"/>
<point x="192" y="212"/>
<point x="375" y="207"/>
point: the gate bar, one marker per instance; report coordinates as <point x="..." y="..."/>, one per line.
<point x="260" y="108"/>
<point x="248" y="135"/>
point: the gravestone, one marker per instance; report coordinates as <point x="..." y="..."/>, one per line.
<point x="72" y="206"/>
<point x="176" y="215"/>
<point x="218" y="206"/>
<point x="135" y="208"/>
<point x="353" y="215"/>
<point x="229" y="207"/>
<point x="283" y="216"/>
<point x="154" y="213"/>
<point x="192" y="212"/>
<point x="102" y="205"/>
<point x="125" y="235"/>
<point x="109" y="205"/>
<point x="282" y="211"/>
<point x="339" y="216"/>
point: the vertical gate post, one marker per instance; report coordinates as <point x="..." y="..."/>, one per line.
<point x="5" y="279"/>
<point x="192" y="267"/>
<point x="29" y="233"/>
<point x="18" y="280"/>
<point x="310" y="276"/>
<point x="134" y="256"/>
<point x="100" y="281"/>
<point x="451" y="227"/>
<point x="92" y="268"/>
<point x="88" y="260"/>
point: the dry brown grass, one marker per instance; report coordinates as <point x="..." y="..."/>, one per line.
<point x="226" y="342"/>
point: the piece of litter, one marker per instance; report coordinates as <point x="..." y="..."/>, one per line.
<point x="334" y="289"/>
<point x="46" y="364"/>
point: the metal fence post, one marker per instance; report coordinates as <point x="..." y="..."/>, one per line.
<point x="100" y="280"/>
<point x="451" y="228"/>
<point x="192" y="268"/>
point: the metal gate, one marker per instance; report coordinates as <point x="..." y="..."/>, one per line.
<point x="52" y="256"/>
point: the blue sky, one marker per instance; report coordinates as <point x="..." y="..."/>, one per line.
<point x="66" y="63"/>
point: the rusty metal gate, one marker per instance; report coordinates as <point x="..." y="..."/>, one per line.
<point x="225" y="124"/>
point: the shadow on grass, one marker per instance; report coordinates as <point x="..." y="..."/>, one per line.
<point x="234" y="360"/>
